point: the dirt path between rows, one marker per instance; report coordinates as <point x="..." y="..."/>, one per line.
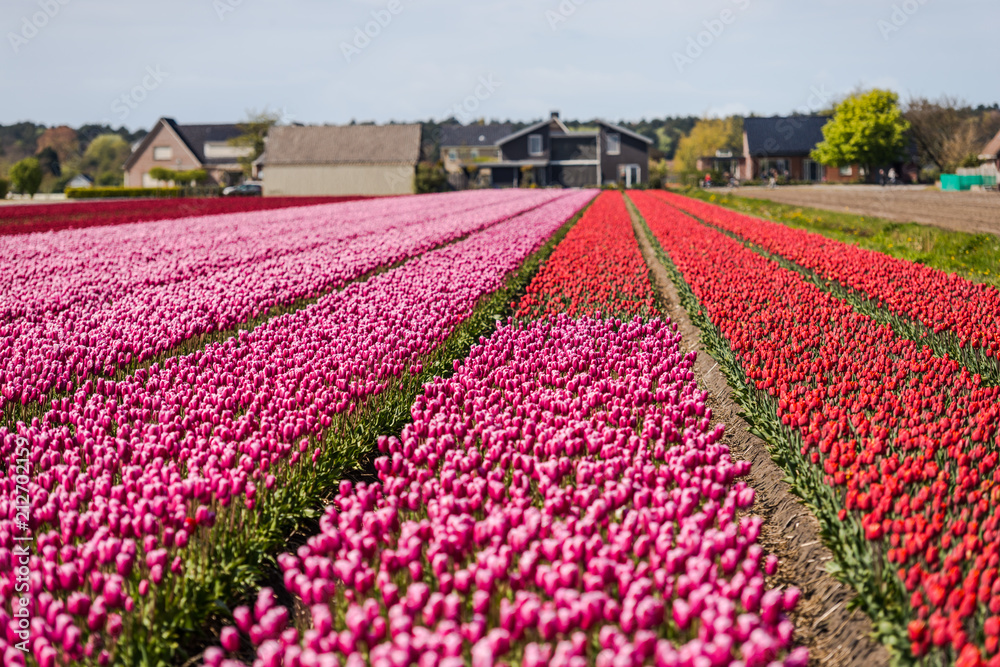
<point x="833" y="635"/>
<point x="972" y="212"/>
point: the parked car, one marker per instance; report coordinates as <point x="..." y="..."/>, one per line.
<point x="244" y="190"/>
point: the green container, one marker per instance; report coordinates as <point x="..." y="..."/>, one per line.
<point x="954" y="182"/>
<point x="951" y="182"/>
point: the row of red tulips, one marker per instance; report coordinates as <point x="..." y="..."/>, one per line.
<point x="147" y="493"/>
<point x="942" y="302"/>
<point x="908" y="440"/>
<point x="33" y="218"/>
<point x="598" y="266"/>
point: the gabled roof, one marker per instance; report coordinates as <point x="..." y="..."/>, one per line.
<point x="192" y="136"/>
<point x="196" y="136"/>
<point x="474" y="135"/>
<point x="992" y="149"/>
<point x="343" y="144"/>
<point x="531" y="128"/>
<point x="791" y="136"/>
<point x="624" y="130"/>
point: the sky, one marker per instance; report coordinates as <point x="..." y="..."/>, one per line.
<point x="128" y="62"/>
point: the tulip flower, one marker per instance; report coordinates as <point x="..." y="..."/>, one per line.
<point x="479" y="597"/>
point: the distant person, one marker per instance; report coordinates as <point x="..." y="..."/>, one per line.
<point x="892" y="175"/>
<point x="881" y="177"/>
<point x="708" y="180"/>
<point x="772" y="180"/>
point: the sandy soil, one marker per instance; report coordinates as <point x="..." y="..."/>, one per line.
<point x="973" y="212"/>
<point x="833" y="635"/>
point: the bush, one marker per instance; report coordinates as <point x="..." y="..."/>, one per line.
<point x="121" y="193"/>
<point x="4" y="185"/>
<point x="430" y="178"/>
<point x="169" y="175"/>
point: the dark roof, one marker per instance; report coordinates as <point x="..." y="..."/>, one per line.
<point x="195" y="137"/>
<point x="791" y="136"/>
<point x="474" y="135"/>
<point x="536" y="126"/>
<point x="624" y="130"/>
<point x="343" y="144"/>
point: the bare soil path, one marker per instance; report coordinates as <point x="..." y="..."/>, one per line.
<point x="833" y="634"/>
<point x="973" y="212"/>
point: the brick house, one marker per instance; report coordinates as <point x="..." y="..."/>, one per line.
<point x="783" y="143"/>
<point x="991" y="152"/>
<point x="548" y="153"/>
<point x="186" y="147"/>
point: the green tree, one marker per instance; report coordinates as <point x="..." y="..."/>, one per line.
<point x="26" y="176"/>
<point x="254" y="129"/>
<point x="105" y="156"/>
<point x="3" y="188"/>
<point x="867" y="129"/>
<point x="707" y="136"/>
<point x="430" y="178"/>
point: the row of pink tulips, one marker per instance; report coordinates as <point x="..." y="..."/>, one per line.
<point x="129" y="475"/>
<point x="562" y="500"/>
<point x="117" y="300"/>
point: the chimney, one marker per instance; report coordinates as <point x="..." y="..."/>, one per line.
<point x="555" y="115"/>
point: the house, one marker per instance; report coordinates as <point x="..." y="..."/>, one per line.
<point x="784" y="143"/>
<point x="340" y="160"/>
<point x="550" y="154"/>
<point x="187" y="147"/>
<point x="465" y="147"/>
<point x="80" y="181"/>
<point x="991" y="153"/>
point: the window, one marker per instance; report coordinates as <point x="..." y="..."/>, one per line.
<point x="453" y="155"/>
<point x="163" y="153"/>
<point x="847" y="171"/>
<point x="224" y="150"/>
<point x="534" y="144"/>
<point x="614" y="144"/>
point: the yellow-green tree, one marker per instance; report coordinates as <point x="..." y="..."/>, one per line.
<point x="867" y="129"/>
<point x="104" y="159"/>
<point x="708" y="136"/>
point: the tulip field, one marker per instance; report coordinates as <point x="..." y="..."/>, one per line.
<point x="32" y="218"/>
<point x="458" y="429"/>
